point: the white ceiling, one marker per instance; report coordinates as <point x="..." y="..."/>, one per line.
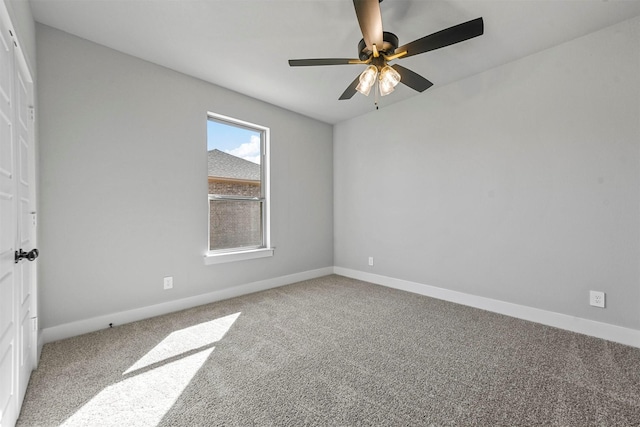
<point x="244" y="45"/>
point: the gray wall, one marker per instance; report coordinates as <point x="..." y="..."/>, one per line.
<point x="124" y="183"/>
<point x="519" y="184"/>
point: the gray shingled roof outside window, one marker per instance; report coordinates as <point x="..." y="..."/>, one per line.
<point x="225" y="165"/>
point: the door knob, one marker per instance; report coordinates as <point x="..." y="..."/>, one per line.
<point x="31" y="255"/>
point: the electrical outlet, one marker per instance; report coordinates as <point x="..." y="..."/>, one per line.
<point x="168" y="282"/>
<point x="596" y="299"/>
<point x="371" y="261"/>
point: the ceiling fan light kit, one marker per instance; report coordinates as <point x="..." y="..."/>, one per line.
<point x="378" y="48"/>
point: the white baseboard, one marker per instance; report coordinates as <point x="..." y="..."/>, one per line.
<point x="72" y="329"/>
<point x="605" y="331"/>
<point x="592" y="328"/>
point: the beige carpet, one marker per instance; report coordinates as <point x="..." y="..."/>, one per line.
<point x="334" y="351"/>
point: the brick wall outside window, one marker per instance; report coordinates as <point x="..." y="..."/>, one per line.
<point x="234" y="224"/>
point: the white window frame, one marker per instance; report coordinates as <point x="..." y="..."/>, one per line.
<point x="249" y="252"/>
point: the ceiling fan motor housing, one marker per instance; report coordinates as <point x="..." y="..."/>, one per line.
<point x="389" y="45"/>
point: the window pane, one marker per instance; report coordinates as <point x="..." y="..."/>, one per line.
<point x="234" y="155"/>
<point x="235" y="224"/>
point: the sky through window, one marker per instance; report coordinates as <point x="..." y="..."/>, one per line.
<point x="234" y="140"/>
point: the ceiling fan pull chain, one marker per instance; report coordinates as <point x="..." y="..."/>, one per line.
<point x="376" y="94"/>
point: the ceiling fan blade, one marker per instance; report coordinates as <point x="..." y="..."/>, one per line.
<point x="322" y="61"/>
<point x="413" y="80"/>
<point x="446" y="37"/>
<point x="370" y="20"/>
<point x="351" y="90"/>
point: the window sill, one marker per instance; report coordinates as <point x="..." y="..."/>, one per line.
<point x="219" y="258"/>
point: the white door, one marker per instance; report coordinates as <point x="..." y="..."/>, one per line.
<point x="8" y="235"/>
<point x="25" y="196"/>
<point x="17" y="228"/>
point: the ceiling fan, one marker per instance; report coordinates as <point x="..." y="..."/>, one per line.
<point x="378" y="48"/>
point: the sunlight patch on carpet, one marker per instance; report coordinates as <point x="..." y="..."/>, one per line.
<point x="143" y="398"/>
<point x="185" y="340"/>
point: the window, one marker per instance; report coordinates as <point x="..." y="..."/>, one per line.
<point x="238" y="178"/>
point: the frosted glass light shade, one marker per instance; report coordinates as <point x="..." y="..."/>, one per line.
<point x="389" y="79"/>
<point x="367" y="79"/>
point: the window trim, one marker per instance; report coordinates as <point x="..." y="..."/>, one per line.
<point x="244" y="253"/>
<point x="220" y="258"/>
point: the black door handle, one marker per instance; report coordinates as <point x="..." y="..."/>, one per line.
<point x="31" y="255"/>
